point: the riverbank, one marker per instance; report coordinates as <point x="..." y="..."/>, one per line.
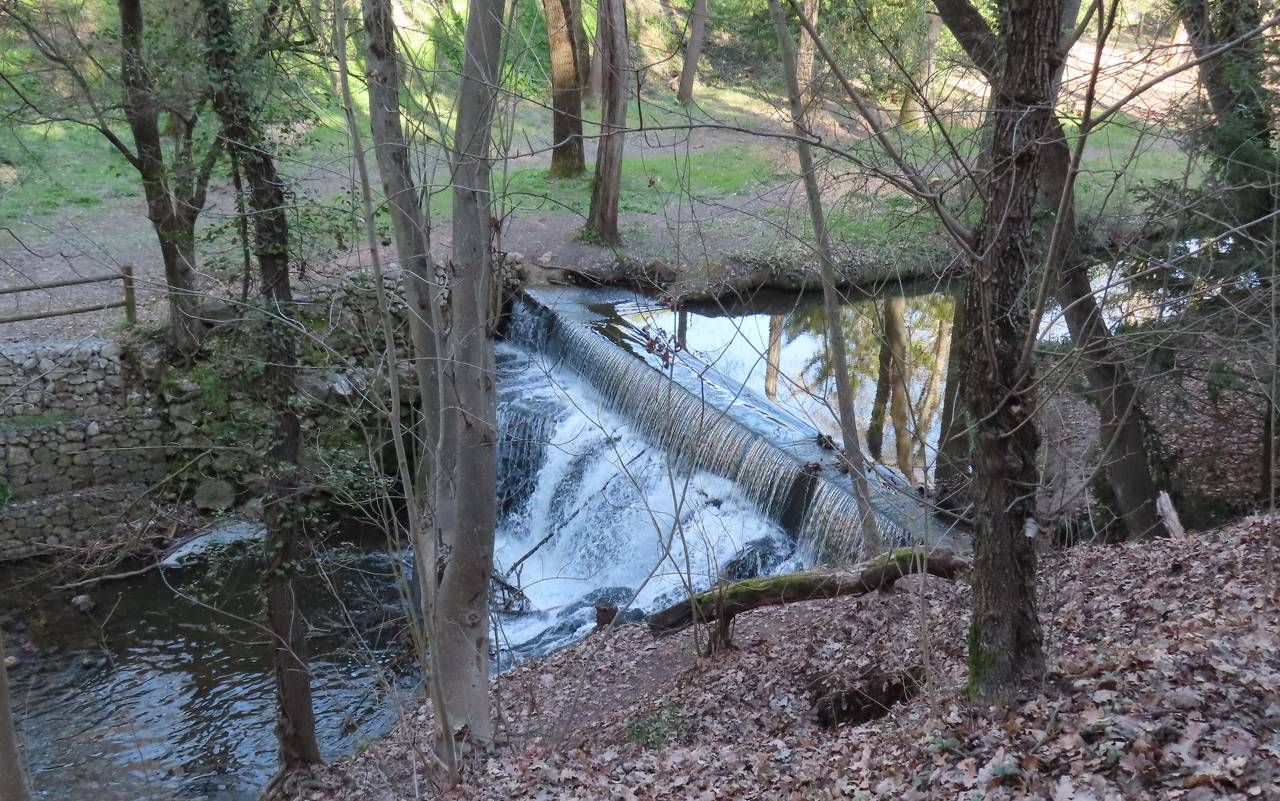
<point x="1164" y="668"/>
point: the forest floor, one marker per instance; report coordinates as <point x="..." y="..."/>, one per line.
<point x="1163" y="682"/>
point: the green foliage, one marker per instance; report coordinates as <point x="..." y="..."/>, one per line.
<point x="39" y="420"/>
<point x="657" y="728"/>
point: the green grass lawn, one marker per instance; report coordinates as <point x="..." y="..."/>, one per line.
<point x="51" y="167"/>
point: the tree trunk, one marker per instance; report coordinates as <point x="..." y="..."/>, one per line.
<point x="175" y="232"/>
<point x="693" y="51"/>
<point x="602" y="219"/>
<point x="1125" y="434"/>
<point x="1005" y="642"/>
<point x="567" y="158"/>
<point x="872" y="542"/>
<point x="806" y="60"/>
<point x="408" y="220"/>
<point x="13" y="779"/>
<point x="725" y="602"/>
<point x="895" y="328"/>
<point x="1242" y="140"/>
<point x="595" y="73"/>
<point x="295" y="715"/>
<point x="950" y="472"/>
<point x="913" y="114"/>
<point x="880" y="404"/>
<point x="468" y="488"/>
<point x="773" y="358"/>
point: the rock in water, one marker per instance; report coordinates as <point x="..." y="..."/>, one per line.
<point x="83" y="603"/>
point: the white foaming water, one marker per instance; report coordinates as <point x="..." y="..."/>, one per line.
<point x="598" y="513"/>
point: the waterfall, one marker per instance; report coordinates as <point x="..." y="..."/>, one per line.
<point x="696" y="435"/>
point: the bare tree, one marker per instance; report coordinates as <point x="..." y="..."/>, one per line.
<point x="175" y="183"/>
<point x="466" y="509"/>
<point x="693" y="50"/>
<point x="295" y="716"/>
<point x="567" y="72"/>
<point x="872" y="541"/>
<point x="13" y="779"/>
<point x="602" y="218"/>
<point x="1125" y="430"/>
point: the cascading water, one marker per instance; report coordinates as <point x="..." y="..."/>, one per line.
<point x="706" y="423"/>
<point x="608" y="516"/>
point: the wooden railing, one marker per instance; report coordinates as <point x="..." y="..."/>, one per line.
<point x="129" y="301"/>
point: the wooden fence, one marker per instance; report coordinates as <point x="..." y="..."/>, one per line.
<point x="129" y="301"/>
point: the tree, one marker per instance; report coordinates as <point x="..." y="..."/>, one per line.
<point x="175" y="180"/>
<point x="872" y="541"/>
<point x="567" y="72"/>
<point x="693" y="50"/>
<point x="805" y="61"/>
<point x="466" y="509"/>
<point x="912" y="113"/>
<point x="229" y="73"/>
<point x="1125" y="430"/>
<point x="12" y="777"/>
<point x="606" y="189"/>
<point x="1005" y="641"/>
<point x="1242" y="141"/>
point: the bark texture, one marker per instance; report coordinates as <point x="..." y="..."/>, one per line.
<point x="567" y="71"/>
<point x="467" y="505"/>
<point x="295" y="715"/>
<point x="408" y="219"/>
<point x="1005" y="640"/>
<point x="806" y="55"/>
<point x="602" y="218"/>
<point x="872" y="542"/>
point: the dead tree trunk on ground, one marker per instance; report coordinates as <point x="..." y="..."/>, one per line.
<point x="722" y="604"/>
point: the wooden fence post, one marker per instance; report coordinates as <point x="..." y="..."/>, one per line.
<point x="130" y="300"/>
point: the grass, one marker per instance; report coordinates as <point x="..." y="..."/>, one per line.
<point x="39" y="420"/>
<point x="57" y="166"/>
<point x="650" y="183"/>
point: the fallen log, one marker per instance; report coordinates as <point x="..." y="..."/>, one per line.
<point x="870" y="698"/>
<point x="724" y="602"/>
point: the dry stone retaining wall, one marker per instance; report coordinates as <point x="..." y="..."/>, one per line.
<point x="78" y="378"/>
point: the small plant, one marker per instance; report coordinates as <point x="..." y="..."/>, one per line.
<point x="657" y="728"/>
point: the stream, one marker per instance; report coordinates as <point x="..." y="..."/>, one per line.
<point x="163" y="689"/>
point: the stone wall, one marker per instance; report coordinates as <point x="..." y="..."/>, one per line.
<point x="78" y="454"/>
<point x="70" y="520"/>
<point x="79" y="445"/>
<point x="74" y="378"/>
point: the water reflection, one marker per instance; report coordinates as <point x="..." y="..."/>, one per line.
<point x="899" y="346"/>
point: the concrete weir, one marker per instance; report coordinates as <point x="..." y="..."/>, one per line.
<point x="706" y="421"/>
